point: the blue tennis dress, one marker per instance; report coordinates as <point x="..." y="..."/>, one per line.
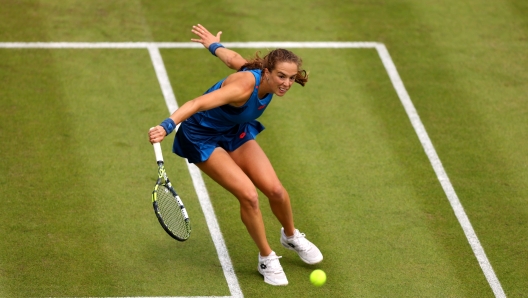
<point x="226" y="126"/>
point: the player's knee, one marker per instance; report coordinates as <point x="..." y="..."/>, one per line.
<point x="249" y="200"/>
<point x="277" y="193"/>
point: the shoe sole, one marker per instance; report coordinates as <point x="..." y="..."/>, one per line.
<point x="269" y="281"/>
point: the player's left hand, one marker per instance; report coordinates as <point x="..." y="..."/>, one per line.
<point x="206" y="38"/>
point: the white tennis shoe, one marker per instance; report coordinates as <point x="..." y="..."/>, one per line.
<point x="271" y="269"/>
<point x="306" y="250"/>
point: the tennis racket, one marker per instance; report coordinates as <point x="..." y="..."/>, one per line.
<point x="168" y="206"/>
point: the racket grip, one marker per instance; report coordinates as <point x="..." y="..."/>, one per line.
<point x="157" y="150"/>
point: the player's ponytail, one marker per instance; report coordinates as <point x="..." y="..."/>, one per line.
<point x="272" y="58"/>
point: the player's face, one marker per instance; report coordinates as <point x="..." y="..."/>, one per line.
<point x="282" y="77"/>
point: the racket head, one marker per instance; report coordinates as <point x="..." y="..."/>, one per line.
<point x="171" y="212"/>
<point x="168" y="206"/>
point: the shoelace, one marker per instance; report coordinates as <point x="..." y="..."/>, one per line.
<point x="273" y="263"/>
<point x="301" y="242"/>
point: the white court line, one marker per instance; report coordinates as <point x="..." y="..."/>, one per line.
<point x="199" y="185"/>
<point x="461" y="215"/>
<point x="183" y="45"/>
<point x="405" y="99"/>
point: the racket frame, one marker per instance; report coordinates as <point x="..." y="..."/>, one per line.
<point x="164" y="182"/>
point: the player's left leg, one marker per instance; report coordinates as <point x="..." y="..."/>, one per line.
<point x="253" y="161"/>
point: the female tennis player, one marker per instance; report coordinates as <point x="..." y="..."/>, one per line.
<point x="218" y="131"/>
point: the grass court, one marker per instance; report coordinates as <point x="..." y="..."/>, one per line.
<point x="76" y="167"/>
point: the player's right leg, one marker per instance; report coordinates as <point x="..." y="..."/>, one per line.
<point x="222" y="169"/>
<point x="253" y="161"/>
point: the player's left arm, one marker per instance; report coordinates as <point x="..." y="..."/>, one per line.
<point x="230" y="58"/>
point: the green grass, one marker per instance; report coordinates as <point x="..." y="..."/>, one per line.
<point x="79" y="207"/>
<point x="76" y="168"/>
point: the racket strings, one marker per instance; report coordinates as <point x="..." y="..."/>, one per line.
<point x="171" y="213"/>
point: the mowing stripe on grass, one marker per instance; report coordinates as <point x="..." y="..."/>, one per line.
<point x="440" y="172"/>
<point x="199" y="185"/>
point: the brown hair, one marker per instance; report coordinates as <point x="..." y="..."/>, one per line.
<point x="272" y="58"/>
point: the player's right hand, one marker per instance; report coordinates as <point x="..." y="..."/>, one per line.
<point x="157" y="134"/>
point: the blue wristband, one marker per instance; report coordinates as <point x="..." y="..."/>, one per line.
<point x="169" y="125"/>
<point x="214" y="46"/>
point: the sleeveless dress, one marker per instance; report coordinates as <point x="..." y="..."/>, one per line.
<point x="226" y="126"/>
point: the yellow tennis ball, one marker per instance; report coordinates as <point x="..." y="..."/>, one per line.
<point x="318" y="277"/>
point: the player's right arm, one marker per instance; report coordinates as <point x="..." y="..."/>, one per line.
<point x="236" y="91"/>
